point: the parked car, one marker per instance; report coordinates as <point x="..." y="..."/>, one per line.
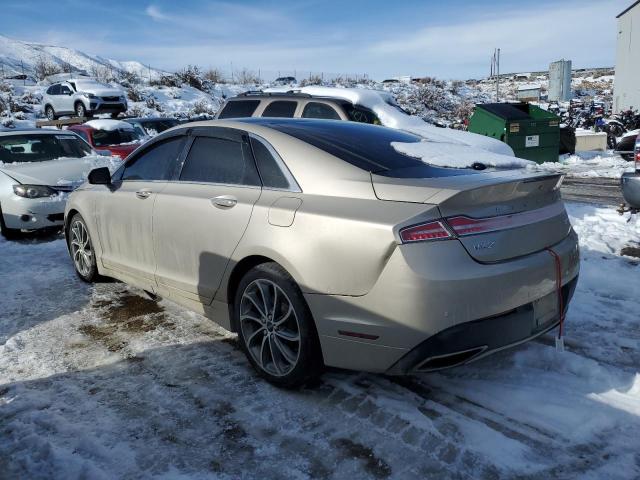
<point x="118" y="137"/>
<point x="631" y="181"/>
<point x="151" y="126"/>
<point x="82" y="97"/>
<point x="321" y="244"/>
<point x="285" y="81"/>
<point x="293" y="104"/>
<point x="38" y="168"/>
<point x="625" y="147"/>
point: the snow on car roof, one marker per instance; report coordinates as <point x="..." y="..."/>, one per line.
<point x="444" y="147"/>
<point x="105" y="124"/>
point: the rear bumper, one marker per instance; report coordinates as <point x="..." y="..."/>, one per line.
<point x="471" y="341"/>
<point x="424" y="292"/>
<point x="630" y="183"/>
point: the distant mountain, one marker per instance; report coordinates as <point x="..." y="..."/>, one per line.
<point x="16" y="55"/>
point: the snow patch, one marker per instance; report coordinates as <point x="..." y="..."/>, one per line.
<point x="456" y="156"/>
<point x="105" y="124"/>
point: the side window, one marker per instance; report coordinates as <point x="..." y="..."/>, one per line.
<point x="270" y="171"/>
<point x="55" y="89"/>
<point x="217" y="160"/>
<point x="156" y="163"/>
<point x="320" y="110"/>
<point x="239" y="109"/>
<point x="65" y="90"/>
<point x="280" y="109"/>
<point x="50" y="90"/>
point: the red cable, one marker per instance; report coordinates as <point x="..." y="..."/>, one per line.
<point x="558" y="262"/>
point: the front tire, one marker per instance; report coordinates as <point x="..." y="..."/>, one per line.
<point x="275" y="327"/>
<point x="81" y="249"/>
<point x="80" y="110"/>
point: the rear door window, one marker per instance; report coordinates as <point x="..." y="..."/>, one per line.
<point x="284" y="109"/>
<point x="239" y="109"/>
<point x="65" y="90"/>
<point x="156" y="163"/>
<point x="320" y="110"/>
<point x="219" y="160"/>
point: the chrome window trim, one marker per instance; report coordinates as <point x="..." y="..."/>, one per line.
<point x="293" y="184"/>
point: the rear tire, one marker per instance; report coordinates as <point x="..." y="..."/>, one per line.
<point x="81" y="250"/>
<point x="8" y="233"/>
<point x="276" y="330"/>
<point x="50" y="113"/>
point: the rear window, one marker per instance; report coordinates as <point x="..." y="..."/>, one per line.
<point x="280" y="109"/>
<point x="102" y="138"/>
<point x="239" y="109"/>
<point x="364" y="146"/>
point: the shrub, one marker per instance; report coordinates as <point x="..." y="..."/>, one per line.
<point x="246" y="77"/>
<point x="129" y="79"/>
<point x="214" y="75"/>
<point x="153" y="104"/>
<point x="135" y="94"/>
<point x="202" y="107"/>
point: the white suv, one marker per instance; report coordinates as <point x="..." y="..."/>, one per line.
<point x="82" y="97"/>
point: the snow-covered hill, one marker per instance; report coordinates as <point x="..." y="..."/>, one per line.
<point x="16" y="55"/>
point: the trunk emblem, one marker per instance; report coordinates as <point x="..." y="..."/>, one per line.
<point x="484" y="245"/>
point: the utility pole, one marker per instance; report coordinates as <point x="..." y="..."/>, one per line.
<point x="498" y="76"/>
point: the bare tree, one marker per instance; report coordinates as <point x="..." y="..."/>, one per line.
<point x="43" y="68"/>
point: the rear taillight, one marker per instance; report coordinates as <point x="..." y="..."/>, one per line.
<point x="463" y="225"/>
<point x="424" y="232"/>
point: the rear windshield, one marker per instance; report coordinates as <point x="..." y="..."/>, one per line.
<point x="39" y="148"/>
<point x="364" y="146"/>
<point x="239" y="109"/>
<point x="102" y="138"/>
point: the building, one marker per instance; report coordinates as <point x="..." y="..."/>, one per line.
<point x="560" y="81"/>
<point x="529" y="93"/>
<point x="626" y="90"/>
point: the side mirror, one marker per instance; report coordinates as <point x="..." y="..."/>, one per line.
<point x="100" y="176"/>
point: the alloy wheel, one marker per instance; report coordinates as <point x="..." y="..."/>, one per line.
<point x="270" y="327"/>
<point x="81" y="250"/>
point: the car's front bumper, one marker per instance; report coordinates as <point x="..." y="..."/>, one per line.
<point x="99" y="106"/>
<point x="34" y="213"/>
<point x="630" y="183"/>
<point x="424" y="292"/>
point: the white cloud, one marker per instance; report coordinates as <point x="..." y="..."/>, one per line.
<point x="155" y="13"/>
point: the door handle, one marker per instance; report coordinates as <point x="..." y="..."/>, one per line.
<point x="224" y="201"/>
<point x="144" y="193"/>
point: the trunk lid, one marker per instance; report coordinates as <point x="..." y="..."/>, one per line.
<point x="495" y="215"/>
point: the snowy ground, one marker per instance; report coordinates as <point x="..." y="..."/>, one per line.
<point x="589" y="165"/>
<point x="100" y="382"/>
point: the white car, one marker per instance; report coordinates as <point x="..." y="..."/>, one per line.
<point x="38" y="168"/>
<point x="82" y="97"/>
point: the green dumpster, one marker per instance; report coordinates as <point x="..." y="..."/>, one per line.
<point x="532" y="132"/>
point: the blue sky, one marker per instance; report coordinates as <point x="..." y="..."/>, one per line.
<point x="445" y="38"/>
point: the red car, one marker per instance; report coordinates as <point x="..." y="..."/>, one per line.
<point x="119" y="138"/>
